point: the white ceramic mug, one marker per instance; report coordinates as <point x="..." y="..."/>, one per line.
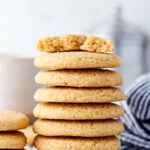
<point x="17" y="84"/>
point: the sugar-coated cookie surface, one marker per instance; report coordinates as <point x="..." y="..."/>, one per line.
<point x="12" y="140"/>
<point x="70" y="143"/>
<point x="12" y="120"/>
<point x="77" y="111"/>
<point x="79" y="95"/>
<point x="79" y="78"/>
<point x="74" y="42"/>
<point x="93" y="128"/>
<point x="74" y="60"/>
<point x="30" y="135"/>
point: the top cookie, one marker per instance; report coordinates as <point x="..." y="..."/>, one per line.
<point x="11" y="120"/>
<point x="76" y="60"/>
<point x="74" y="42"/>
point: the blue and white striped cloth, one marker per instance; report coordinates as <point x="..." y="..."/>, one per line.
<point x="136" y="118"/>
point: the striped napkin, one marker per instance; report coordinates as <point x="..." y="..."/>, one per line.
<point x="136" y="118"/>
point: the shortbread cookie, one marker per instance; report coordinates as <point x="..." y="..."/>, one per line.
<point x="70" y="143"/>
<point x="74" y="42"/>
<point x="12" y="140"/>
<point x="77" y="111"/>
<point x="74" y="60"/>
<point x="93" y="128"/>
<point x="11" y="120"/>
<point x="30" y="135"/>
<point x="79" y="95"/>
<point x="79" y="78"/>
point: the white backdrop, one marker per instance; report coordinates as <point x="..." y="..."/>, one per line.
<point x="23" y="22"/>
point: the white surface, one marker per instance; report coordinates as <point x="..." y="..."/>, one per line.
<point x="23" y="22"/>
<point x="28" y="147"/>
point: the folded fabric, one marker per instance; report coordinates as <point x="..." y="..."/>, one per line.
<point x="136" y="118"/>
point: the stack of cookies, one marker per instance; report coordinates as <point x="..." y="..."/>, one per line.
<point x="77" y="113"/>
<point x="10" y="122"/>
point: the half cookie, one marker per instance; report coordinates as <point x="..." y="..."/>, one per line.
<point x="12" y="140"/>
<point x="70" y="143"/>
<point x="79" y="95"/>
<point x="77" y="111"/>
<point x="11" y="120"/>
<point x="30" y="135"/>
<point x="98" y="128"/>
<point x="73" y="60"/>
<point x="74" y="42"/>
<point x="79" y="78"/>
